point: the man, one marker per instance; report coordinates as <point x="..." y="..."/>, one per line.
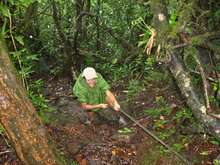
<point x="94" y="94"/>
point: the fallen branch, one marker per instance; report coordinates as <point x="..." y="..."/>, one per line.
<point x="208" y="78"/>
<point x="205" y="84"/>
<point x="4" y="152"/>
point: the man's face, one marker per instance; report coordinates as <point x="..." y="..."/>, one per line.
<point x="91" y="82"/>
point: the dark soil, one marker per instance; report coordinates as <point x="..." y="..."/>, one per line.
<point x="102" y="144"/>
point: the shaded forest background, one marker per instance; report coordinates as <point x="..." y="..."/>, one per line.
<point x="137" y="42"/>
<point x="61" y="38"/>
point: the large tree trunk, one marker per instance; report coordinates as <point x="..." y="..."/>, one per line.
<point x="182" y="78"/>
<point x="20" y="121"/>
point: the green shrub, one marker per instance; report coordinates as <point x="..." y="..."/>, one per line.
<point x="38" y="100"/>
<point x="134" y="86"/>
<point x="184" y="113"/>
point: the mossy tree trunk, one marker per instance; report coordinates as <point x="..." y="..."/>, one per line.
<point x="184" y="81"/>
<point x="199" y="109"/>
<point x="20" y="121"/>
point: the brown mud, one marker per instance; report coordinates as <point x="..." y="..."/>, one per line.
<point x="102" y="143"/>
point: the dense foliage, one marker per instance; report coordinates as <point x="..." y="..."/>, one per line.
<point x="50" y="39"/>
<point x="56" y="37"/>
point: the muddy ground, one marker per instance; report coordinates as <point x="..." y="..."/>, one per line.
<point x="107" y="143"/>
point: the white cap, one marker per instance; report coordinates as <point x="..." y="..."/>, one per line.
<point x="89" y="73"/>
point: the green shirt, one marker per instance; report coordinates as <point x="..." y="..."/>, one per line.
<point x="88" y="95"/>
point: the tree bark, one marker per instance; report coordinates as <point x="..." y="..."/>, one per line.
<point x="20" y="121"/>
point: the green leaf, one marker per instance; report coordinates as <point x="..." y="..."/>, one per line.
<point x="153" y="112"/>
<point x="214" y="142"/>
<point x="11" y="2"/>
<point x="215" y="87"/>
<point x="26" y="3"/>
<point x="140" y="43"/>
<point x="5" y="11"/>
<point x="178" y="146"/>
<point x="218" y="68"/>
<point x="125" y="130"/>
<point x="20" y="40"/>
<point x="205" y="153"/>
<point x="33" y="57"/>
<point x="4" y="29"/>
<point x="216" y="162"/>
<point x="114" y="61"/>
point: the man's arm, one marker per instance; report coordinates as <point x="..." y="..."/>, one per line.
<point x="86" y="106"/>
<point x="112" y="100"/>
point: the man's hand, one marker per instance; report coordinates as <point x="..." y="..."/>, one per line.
<point x="116" y="106"/>
<point x="103" y="106"/>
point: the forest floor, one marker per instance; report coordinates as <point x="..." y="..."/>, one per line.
<point x="104" y="143"/>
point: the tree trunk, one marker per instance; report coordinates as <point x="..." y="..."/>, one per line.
<point x="20" y="121"/>
<point x="70" y="60"/>
<point x="98" y="43"/>
<point x="182" y="78"/>
<point x="86" y="23"/>
<point x="78" y="32"/>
